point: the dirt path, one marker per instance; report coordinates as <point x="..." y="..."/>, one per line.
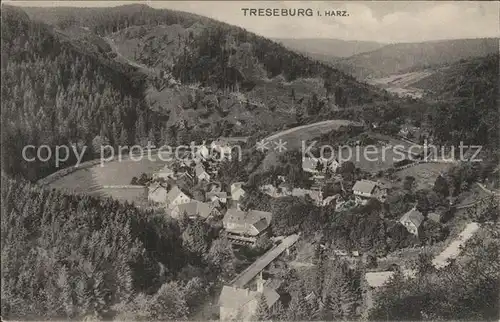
<point x="302" y="127"/>
<point x="453" y="250"/>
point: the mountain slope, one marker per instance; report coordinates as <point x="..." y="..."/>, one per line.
<point x="132" y="74"/>
<point x="329" y="50"/>
<point x="467" y="96"/>
<point x="405" y="57"/>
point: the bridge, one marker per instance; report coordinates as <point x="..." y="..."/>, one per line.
<point x="262" y="262"/>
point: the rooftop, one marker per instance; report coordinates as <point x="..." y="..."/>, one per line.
<point x="195" y="208"/>
<point x="364" y="186"/>
<point x="414" y="216"/>
<point x="236" y="298"/>
<point x="174" y="193"/>
<point x="260" y="220"/>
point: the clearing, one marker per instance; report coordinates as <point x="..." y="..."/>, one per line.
<point x="425" y="174"/>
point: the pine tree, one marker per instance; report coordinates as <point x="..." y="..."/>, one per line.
<point x="262" y="310"/>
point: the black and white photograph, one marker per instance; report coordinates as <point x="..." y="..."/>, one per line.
<point x="250" y="161"/>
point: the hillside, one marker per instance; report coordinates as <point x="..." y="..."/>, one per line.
<point x="172" y="77"/>
<point x="405" y="57"/>
<point x="470" y="90"/>
<point x="328" y="50"/>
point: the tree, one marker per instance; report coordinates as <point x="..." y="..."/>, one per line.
<point x="195" y="292"/>
<point x="262" y="311"/>
<point x="195" y="238"/>
<point x="169" y="303"/>
<point x="299" y="308"/>
<point x="221" y="258"/>
<point x="409" y="183"/>
<point x="441" y="187"/>
<point x="277" y="312"/>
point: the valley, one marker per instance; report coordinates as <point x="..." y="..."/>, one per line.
<point x="240" y="223"/>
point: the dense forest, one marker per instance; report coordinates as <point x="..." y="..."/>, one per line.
<point x="54" y="94"/>
<point x="67" y="257"/>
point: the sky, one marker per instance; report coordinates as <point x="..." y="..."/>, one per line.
<point x="381" y="21"/>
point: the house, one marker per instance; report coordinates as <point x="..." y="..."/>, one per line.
<point x="330" y="199"/>
<point x="176" y="197"/>
<point x="312" y="165"/>
<point x="237" y="191"/>
<point x="220" y="196"/>
<point x="244" y="227"/>
<point x="201" y="152"/>
<point x="412" y="220"/>
<point x="241" y="304"/>
<point x="366" y="189"/>
<point x="223" y="146"/>
<point x="200" y="173"/>
<point x="157" y="192"/>
<point x="275" y="192"/>
<point x="435" y="216"/>
<point x="192" y="209"/>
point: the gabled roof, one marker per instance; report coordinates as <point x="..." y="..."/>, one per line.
<point x="414" y="216"/>
<point x="235" y="298"/>
<point x="174" y="193"/>
<point x="195" y="208"/>
<point x="199" y="169"/>
<point x="244" y="221"/>
<point x="364" y="186"/>
<point x="236" y="185"/>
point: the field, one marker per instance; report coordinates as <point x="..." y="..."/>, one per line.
<point x="425" y="173"/>
<point x="97" y="180"/>
<point x="402" y="84"/>
<point x="296" y="135"/>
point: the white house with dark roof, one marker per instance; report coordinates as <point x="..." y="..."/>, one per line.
<point x="237" y="191"/>
<point x="220" y="196"/>
<point x="192" y="209"/>
<point x="366" y="189"/>
<point x="243" y="227"/>
<point x="200" y="173"/>
<point x="176" y="197"/>
<point x="412" y="220"/>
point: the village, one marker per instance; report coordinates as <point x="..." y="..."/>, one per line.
<point x="245" y="227"/>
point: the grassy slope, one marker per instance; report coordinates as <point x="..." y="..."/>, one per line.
<point x="395" y="58"/>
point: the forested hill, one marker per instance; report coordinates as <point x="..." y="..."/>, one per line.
<point x="210" y="52"/>
<point x="54" y="93"/>
<point x="467" y="107"/>
<point x="69" y="71"/>
<point x="395" y="58"/>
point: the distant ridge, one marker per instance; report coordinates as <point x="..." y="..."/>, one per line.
<point x="326" y="48"/>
